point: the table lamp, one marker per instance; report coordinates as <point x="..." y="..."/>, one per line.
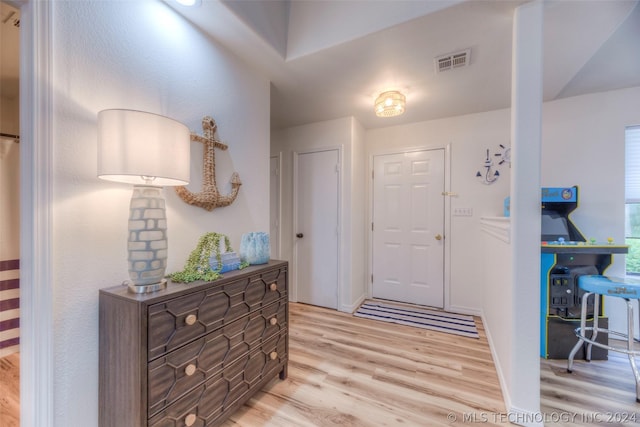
<point x="149" y="151"/>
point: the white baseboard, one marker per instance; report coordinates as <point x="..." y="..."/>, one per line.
<point x="350" y="308"/>
<point x="464" y="310"/>
<point x="514" y="414"/>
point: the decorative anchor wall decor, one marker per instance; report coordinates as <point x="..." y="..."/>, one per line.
<point x="210" y="198"/>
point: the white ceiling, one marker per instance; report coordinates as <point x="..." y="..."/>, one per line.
<point x="328" y="59"/>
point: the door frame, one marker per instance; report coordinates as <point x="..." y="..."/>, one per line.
<point x="36" y="195"/>
<point x="294" y="267"/>
<point x="278" y="158"/>
<point x="447" y="214"/>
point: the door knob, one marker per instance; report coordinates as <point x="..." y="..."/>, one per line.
<point x="299" y="235"/>
<point x="438" y="237"/>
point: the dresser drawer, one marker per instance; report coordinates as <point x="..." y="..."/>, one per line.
<point x="172" y="375"/>
<point x="209" y="401"/>
<point x="176" y="322"/>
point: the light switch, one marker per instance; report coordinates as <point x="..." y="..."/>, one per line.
<point x="462" y="211"/>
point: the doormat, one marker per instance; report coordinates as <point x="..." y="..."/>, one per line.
<point x="441" y="321"/>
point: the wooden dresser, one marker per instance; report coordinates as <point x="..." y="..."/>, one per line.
<point x="191" y="354"/>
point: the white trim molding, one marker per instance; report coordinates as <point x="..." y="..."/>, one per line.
<point x="36" y="195"/>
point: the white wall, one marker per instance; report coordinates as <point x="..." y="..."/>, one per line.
<point x="583" y="144"/>
<point x="110" y="56"/>
<point x="498" y="290"/>
<point x="138" y="55"/>
<point x="521" y="387"/>
<point x="345" y="133"/>
<point x="357" y="261"/>
<point x="469" y="137"/>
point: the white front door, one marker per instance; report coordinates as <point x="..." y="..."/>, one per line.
<point x="408" y="227"/>
<point x="274" y="207"/>
<point x="316" y="232"/>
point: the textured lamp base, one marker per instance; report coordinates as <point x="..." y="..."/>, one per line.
<point x="147" y="239"/>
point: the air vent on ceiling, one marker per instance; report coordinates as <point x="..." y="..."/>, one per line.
<point x="452" y="60"/>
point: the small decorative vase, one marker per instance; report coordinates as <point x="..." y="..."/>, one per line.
<point x="254" y="247"/>
<point x="228" y="261"/>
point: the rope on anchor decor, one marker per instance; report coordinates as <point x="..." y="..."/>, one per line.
<point x="210" y="198"/>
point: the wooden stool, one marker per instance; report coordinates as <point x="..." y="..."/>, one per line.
<point x="626" y="289"/>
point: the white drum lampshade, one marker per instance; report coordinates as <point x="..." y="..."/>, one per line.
<point x="149" y="151"/>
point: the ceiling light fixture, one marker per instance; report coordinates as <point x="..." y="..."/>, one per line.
<point x="390" y="103"/>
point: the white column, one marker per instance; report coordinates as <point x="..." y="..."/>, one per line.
<point x="36" y="196"/>
<point x="526" y="112"/>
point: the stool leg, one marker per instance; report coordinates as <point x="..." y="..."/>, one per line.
<point x="596" y="312"/>
<point x="583" y="325"/>
<point x="630" y="341"/>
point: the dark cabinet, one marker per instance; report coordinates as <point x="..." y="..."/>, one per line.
<point x="191" y="354"/>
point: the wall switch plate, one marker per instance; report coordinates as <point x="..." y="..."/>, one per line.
<point x="462" y="211"/>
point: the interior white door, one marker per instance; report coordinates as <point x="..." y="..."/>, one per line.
<point x="408" y="227"/>
<point x="274" y="207"/>
<point x="316" y="233"/>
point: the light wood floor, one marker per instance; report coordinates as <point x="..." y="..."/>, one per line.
<point x="600" y="392"/>
<point x="350" y="371"/>
<point x="10" y="391"/>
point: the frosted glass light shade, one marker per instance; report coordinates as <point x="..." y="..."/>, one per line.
<point x="390" y="103"/>
<point x="136" y="146"/>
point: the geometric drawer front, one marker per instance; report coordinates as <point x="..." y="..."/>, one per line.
<point x="207" y="402"/>
<point x="176" y="373"/>
<point x="180" y="320"/>
<point x="191" y="354"/>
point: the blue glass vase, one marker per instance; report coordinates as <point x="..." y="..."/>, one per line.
<point x="254" y="247"/>
<point x="228" y="261"/>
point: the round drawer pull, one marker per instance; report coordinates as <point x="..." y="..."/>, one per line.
<point x="190" y="420"/>
<point x="273" y="321"/>
<point x="190" y="369"/>
<point x="190" y="319"/>
<point x="273" y="286"/>
<point x="273" y="355"/>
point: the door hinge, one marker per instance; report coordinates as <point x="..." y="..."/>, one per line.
<point x="371" y="226"/>
<point x="372" y="278"/>
<point x="337" y="168"/>
<point x="372" y="172"/>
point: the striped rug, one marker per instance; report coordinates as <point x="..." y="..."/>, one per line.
<point x="440" y="321"/>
